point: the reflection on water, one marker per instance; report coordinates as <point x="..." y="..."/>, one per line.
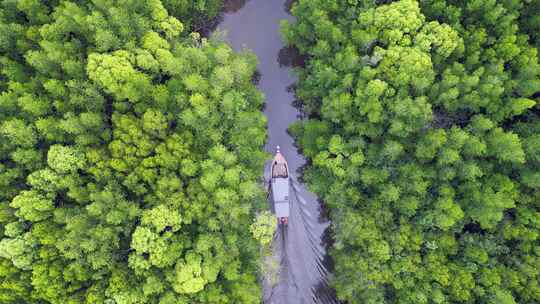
<point x="288" y="5"/>
<point x="232" y="6"/>
<point x="290" y="57"/>
<point x="209" y="26"/>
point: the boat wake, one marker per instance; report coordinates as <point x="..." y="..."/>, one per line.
<point x="303" y="275"/>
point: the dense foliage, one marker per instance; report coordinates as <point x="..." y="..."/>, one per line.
<point x="129" y="155"/>
<point x="424" y="142"/>
<point x="530" y="20"/>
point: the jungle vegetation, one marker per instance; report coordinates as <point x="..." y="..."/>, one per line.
<point x="424" y="142"/>
<point x="130" y="154"/>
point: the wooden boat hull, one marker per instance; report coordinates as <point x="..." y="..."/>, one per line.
<point x="280" y="188"/>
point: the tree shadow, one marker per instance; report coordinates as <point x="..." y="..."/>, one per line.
<point x="208" y="27"/>
<point x="288" y="5"/>
<point x="290" y="56"/>
<point x="232" y="6"/>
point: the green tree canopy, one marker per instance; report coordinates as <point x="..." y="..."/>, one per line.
<point x="130" y="154"/>
<point x="422" y="141"/>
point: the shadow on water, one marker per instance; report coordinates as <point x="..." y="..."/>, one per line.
<point x="290" y="57"/>
<point x="229" y="7"/>
<point x="288" y="5"/>
<point x="206" y="29"/>
<point x="232" y="6"/>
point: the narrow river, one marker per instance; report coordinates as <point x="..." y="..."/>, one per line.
<point x="299" y="248"/>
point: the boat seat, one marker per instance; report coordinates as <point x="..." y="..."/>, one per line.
<point x="280" y="170"/>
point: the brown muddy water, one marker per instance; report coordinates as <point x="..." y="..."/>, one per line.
<point x="298" y="248"/>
